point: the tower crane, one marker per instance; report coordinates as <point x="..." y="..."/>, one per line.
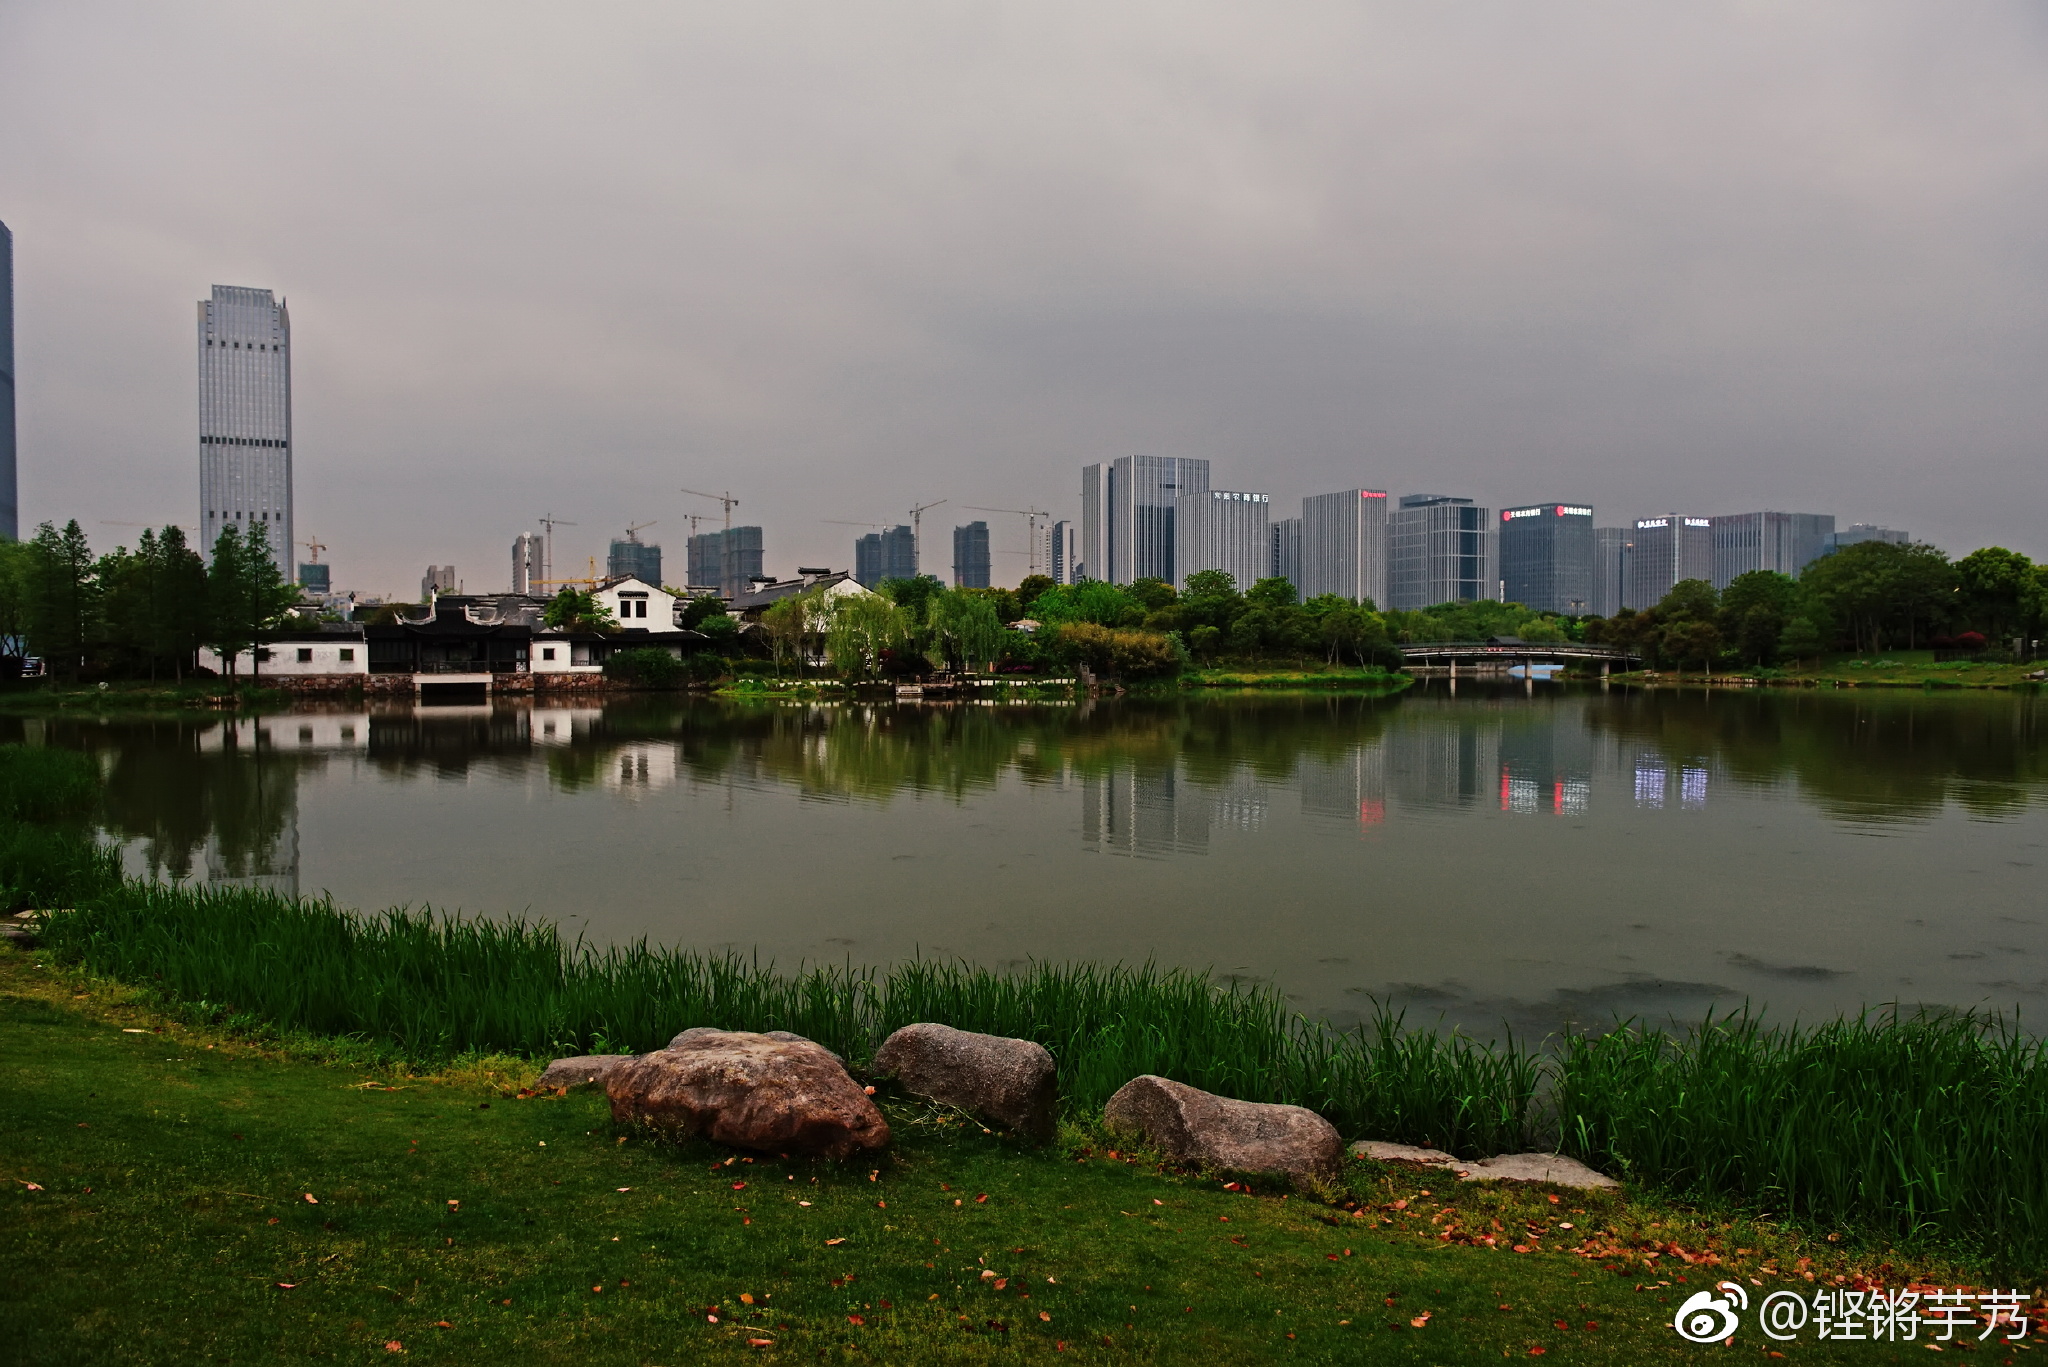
<point x="633" y="528"/>
<point x="726" y="500"/>
<point x="917" y="531"/>
<point x="547" y="546"/>
<point x="314" y="547"/>
<point x="1030" y="516"/>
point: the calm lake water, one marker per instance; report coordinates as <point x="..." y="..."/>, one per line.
<point x="1500" y="855"/>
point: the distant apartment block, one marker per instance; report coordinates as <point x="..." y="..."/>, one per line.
<point x="1287" y="553"/>
<point x="315" y="579"/>
<point x="890" y="554"/>
<point x="1441" y="550"/>
<point x="245" y="419"/>
<point x="1868" y="531"/>
<point x="1784" y="543"/>
<point x="1063" y="553"/>
<point x="632" y="558"/>
<point x="1611" y="549"/>
<point x="1344" y="547"/>
<point x="438" y="579"/>
<point x="1667" y="550"/>
<point x="971" y="556"/>
<point x="728" y="560"/>
<point x="1223" y="529"/>
<point x="1547" y="557"/>
<point x="1127" y="515"/>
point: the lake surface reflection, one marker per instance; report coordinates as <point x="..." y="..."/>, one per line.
<point x="1500" y="855"/>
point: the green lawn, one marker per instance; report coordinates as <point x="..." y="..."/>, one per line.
<point x="206" y="1199"/>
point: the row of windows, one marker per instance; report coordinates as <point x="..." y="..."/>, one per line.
<point x="241" y="346"/>
<point x="242" y="441"/>
<point x="254" y="517"/>
<point x="346" y="654"/>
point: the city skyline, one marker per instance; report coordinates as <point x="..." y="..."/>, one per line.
<point x="1815" y="298"/>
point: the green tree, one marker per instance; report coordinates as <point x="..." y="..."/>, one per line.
<point x="1689" y="600"/>
<point x="1689" y="639"/>
<point x="574" y="609"/>
<point x="1119" y="653"/>
<point x="1880" y="592"/>
<point x="63" y="599"/>
<point x="247" y="596"/>
<point x="1273" y="593"/>
<point x="1802" y="639"/>
<point x="963" y="629"/>
<point x="1997" y="588"/>
<point x="864" y="629"/>
<point x="1153" y="593"/>
<point x="1091" y="600"/>
<point x="16" y="570"/>
<point x="1755" y="610"/>
<point x="1028" y="591"/>
<point x="911" y="594"/>
<point x="154" y="602"/>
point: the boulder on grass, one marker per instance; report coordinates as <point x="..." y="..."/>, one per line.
<point x="750" y="1091"/>
<point x="1193" y="1126"/>
<point x="584" y="1070"/>
<point x="1007" y="1082"/>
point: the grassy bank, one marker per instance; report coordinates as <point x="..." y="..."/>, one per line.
<point x="1924" y="1129"/>
<point x="177" y="1193"/>
<point x="34" y="697"/>
<point x="1333" y="676"/>
<point x="1892" y="669"/>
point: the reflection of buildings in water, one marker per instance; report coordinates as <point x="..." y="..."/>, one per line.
<point x="253" y="840"/>
<point x="1241" y="803"/>
<point x="1655" y="779"/>
<point x="321" y="731"/>
<point x="1442" y="762"/>
<point x="642" y="767"/>
<point x="563" y="725"/>
<point x="1143" y="812"/>
<point x="1352" y="787"/>
<point x="1546" y="764"/>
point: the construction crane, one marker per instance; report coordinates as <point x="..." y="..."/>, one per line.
<point x="725" y="499"/>
<point x="917" y="532"/>
<point x="1030" y="516"/>
<point x="633" y="528"/>
<point x="547" y="546"/>
<point x="314" y="547"/>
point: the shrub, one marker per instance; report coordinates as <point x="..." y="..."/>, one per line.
<point x="646" y="668"/>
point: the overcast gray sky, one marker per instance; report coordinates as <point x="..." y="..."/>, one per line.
<point x="843" y="257"/>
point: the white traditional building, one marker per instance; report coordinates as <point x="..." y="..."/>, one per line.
<point x="299" y="654"/>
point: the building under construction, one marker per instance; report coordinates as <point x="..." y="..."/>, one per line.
<point x="727" y="560"/>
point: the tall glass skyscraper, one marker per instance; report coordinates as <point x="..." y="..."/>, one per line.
<point x="245" y="419"/>
<point x="1547" y="557"/>
<point x="1441" y="550"/>
<point x="10" y="511"/>
<point x="1226" y="530"/>
<point x="1344" y="546"/>
<point x="1127" y="515"/>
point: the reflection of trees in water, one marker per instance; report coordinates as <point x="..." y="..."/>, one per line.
<point x="178" y="798"/>
<point x="1865" y="755"/>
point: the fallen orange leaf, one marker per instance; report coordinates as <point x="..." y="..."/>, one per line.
<point x="1421" y="1320"/>
<point x="831" y="1242"/>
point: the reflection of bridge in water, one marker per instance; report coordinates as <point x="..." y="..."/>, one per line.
<point x="1499" y="654"/>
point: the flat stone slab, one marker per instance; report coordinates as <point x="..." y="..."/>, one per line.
<point x="1381" y="1151"/>
<point x="1554" y="1168"/>
<point x="584" y="1070"/>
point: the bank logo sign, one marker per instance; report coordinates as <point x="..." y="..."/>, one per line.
<point x="1842" y="1316"/>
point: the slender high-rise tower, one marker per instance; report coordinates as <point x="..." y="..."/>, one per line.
<point x="10" y="511"/>
<point x="245" y="418"/>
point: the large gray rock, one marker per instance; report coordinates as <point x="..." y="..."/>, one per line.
<point x="1193" y="1126"/>
<point x="584" y="1070"/>
<point x="1008" y="1082"/>
<point x="750" y="1091"/>
<point x="785" y="1036"/>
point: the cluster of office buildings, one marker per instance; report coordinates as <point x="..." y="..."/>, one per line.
<point x="1141" y="516"/>
<point x="1158" y="517"/>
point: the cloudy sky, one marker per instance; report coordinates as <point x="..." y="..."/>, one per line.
<point x="842" y="258"/>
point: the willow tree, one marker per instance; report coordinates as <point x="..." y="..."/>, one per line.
<point x="964" y="629"/>
<point x="863" y="627"/>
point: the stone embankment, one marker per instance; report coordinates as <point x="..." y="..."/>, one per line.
<point x="781" y="1093"/>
